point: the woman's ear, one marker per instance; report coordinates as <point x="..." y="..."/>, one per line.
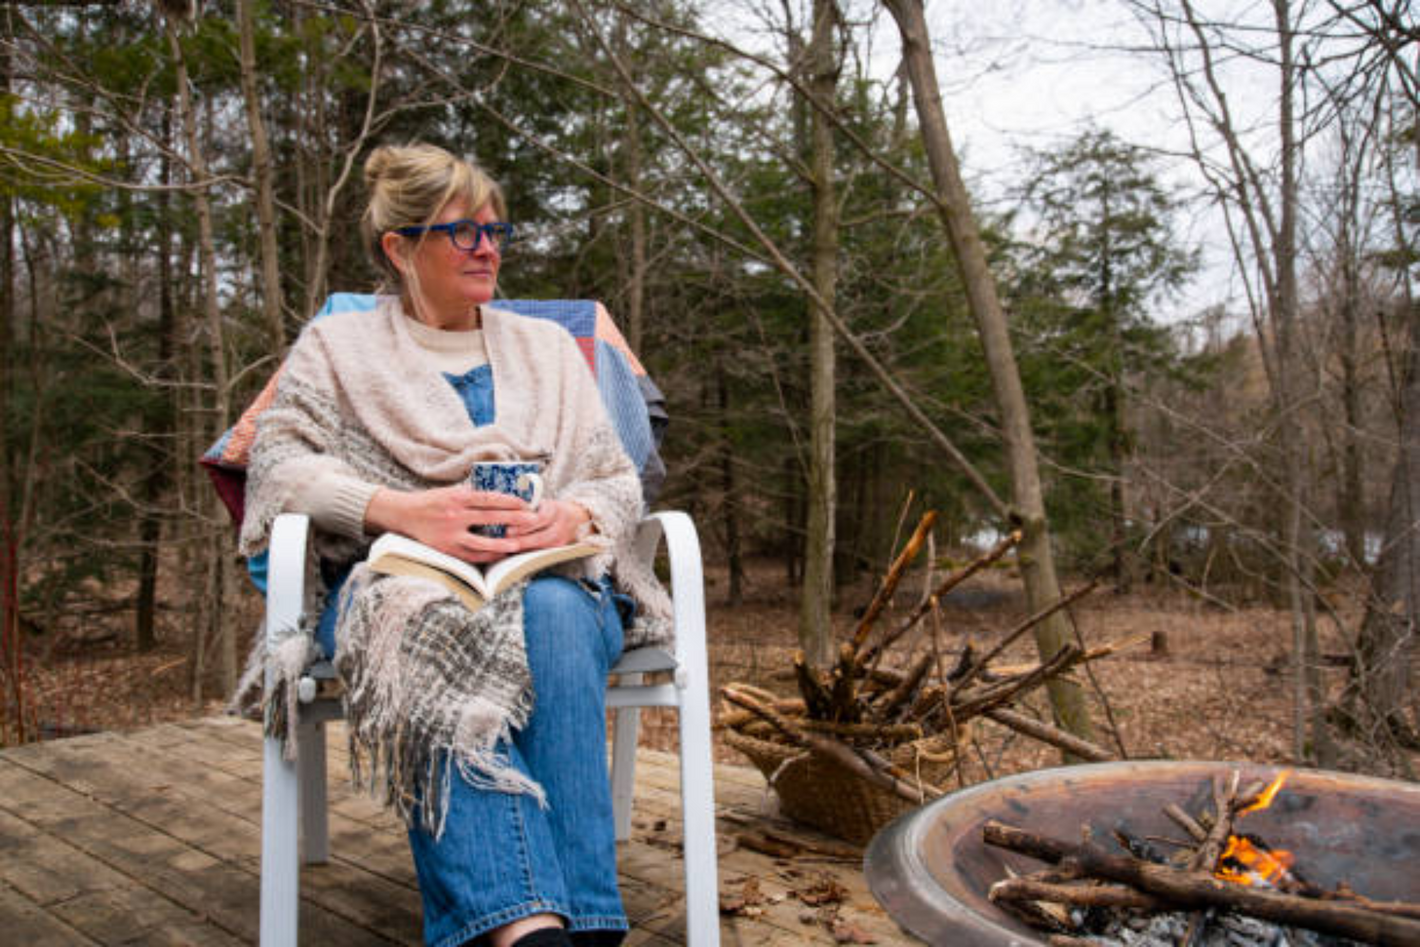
<point x="393" y="245"/>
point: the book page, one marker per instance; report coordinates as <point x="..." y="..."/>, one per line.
<point x="394" y="554"/>
<point x="393" y="564"/>
<point x="402" y="547"/>
<point x="505" y="572"/>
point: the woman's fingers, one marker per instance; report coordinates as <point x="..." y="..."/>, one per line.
<point x="555" y="523"/>
<point x="447" y="517"/>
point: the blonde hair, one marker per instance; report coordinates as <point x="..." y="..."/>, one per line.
<point x="409" y="185"/>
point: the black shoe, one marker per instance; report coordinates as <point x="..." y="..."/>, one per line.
<point x="545" y="937"/>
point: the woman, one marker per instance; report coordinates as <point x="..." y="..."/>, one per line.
<point x="485" y="729"/>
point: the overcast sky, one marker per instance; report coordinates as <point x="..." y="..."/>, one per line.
<point x="1034" y="73"/>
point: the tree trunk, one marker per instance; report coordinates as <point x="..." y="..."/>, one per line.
<point x="794" y="515"/>
<point x="816" y="594"/>
<point x="634" y="320"/>
<point x="1384" y="674"/>
<point x="271" y="298"/>
<point x="157" y="480"/>
<point x="212" y="626"/>
<point x="729" y="484"/>
<point x="12" y="706"/>
<point x="1034" y="554"/>
<point x="1308" y="700"/>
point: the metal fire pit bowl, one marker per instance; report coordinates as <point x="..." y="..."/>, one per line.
<point x="930" y="870"/>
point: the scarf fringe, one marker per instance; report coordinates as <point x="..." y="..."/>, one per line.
<point x="269" y="686"/>
<point x="415" y="708"/>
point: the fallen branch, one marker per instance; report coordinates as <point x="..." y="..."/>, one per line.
<point x="894" y="576"/>
<point x="1044" y="732"/>
<point x="752" y="725"/>
<point x="818" y="703"/>
<point x="1084" y="896"/>
<point x="966" y="706"/>
<point x="1094" y="654"/>
<point x="871" y="655"/>
<point x="1205" y="857"/>
<point x="905" y="690"/>
<point x="1186" y="822"/>
<point x="842" y="690"/>
<point x="980" y="663"/>
<point x="828" y="749"/>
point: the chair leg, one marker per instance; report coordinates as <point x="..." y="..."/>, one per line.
<point x="626" y="732"/>
<point x="315" y="828"/>
<point x="280" y="856"/>
<point x="697" y="799"/>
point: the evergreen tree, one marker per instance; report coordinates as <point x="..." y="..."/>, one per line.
<point x="1102" y="250"/>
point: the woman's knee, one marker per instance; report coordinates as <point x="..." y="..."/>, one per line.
<point x="562" y="623"/>
<point x="554" y="599"/>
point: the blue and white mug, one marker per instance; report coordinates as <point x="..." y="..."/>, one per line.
<point x="519" y="478"/>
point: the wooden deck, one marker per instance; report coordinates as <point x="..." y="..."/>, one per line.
<point x="152" y="837"/>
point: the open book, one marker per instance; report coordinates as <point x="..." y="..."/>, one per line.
<point x="394" y="554"/>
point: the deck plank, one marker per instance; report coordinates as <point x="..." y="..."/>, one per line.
<point x="153" y="837"/>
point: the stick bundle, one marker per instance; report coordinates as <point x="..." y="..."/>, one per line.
<point x="854" y="712"/>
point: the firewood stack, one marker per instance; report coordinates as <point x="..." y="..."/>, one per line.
<point x="862" y="742"/>
<point x="1175" y="891"/>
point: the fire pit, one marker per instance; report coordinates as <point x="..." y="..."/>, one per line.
<point x="931" y="870"/>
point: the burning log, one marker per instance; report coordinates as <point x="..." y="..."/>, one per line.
<point x="1196" y="889"/>
<point x="1227" y="872"/>
<point x="1212" y="845"/>
<point x="1084" y="896"/>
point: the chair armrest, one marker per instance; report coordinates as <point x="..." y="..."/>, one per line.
<point x="687" y="581"/>
<point x="286" y="581"/>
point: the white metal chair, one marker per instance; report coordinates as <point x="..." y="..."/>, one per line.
<point x="293" y="820"/>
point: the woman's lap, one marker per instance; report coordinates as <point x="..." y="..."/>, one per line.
<point x="503" y="857"/>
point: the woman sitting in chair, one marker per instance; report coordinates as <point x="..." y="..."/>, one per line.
<point x="485" y="729"/>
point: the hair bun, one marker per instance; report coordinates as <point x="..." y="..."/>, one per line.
<point x="378" y="165"/>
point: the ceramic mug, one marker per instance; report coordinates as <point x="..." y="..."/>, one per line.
<point x="519" y="478"/>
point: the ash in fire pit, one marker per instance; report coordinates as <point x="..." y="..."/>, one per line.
<point x="1229" y="930"/>
<point x="935" y="874"/>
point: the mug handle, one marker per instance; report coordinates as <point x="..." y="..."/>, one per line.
<point x="536" y="481"/>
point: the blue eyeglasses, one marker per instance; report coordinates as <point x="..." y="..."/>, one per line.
<point x="465" y="234"/>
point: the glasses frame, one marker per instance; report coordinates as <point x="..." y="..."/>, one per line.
<point x="498" y="234"/>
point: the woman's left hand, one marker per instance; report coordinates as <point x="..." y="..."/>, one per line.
<point x="555" y="523"/>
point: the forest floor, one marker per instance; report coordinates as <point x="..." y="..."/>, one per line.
<point x="1222" y="690"/>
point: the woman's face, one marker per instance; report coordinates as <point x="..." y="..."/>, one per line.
<point x="451" y="281"/>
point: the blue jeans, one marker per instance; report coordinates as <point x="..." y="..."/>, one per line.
<point x="503" y="857"/>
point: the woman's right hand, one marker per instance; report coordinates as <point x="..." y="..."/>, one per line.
<point x="442" y="518"/>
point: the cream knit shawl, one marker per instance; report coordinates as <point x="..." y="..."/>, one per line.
<point x="427" y="681"/>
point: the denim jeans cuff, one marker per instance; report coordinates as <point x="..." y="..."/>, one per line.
<point x="609" y="922"/>
<point x="487" y="922"/>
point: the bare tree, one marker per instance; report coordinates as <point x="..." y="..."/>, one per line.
<point x="816" y="594"/>
<point x="1259" y="194"/>
<point x="954" y="206"/>
<point x="271" y="297"/>
<point x="210" y="626"/>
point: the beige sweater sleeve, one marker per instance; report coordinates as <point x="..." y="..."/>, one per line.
<point x="334" y="502"/>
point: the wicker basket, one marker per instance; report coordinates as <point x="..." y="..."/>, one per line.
<point x="836" y="800"/>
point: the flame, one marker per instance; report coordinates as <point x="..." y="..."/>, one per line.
<point x="1249" y="862"/>
<point x="1264" y="798"/>
<point x="1246" y="863"/>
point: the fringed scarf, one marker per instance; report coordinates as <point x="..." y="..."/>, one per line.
<point x="430" y="686"/>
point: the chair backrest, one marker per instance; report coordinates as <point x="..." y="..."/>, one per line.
<point x="633" y="402"/>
